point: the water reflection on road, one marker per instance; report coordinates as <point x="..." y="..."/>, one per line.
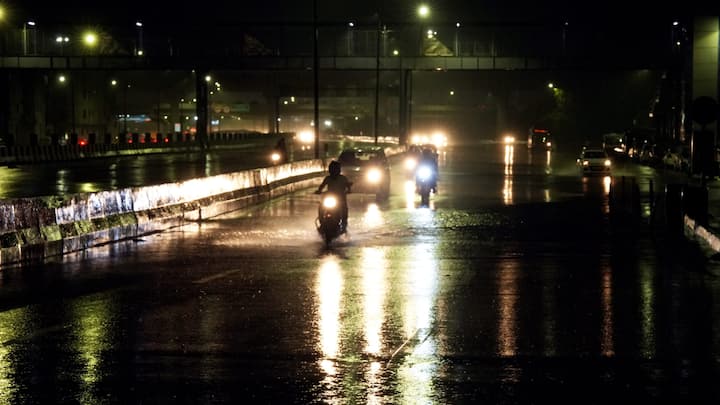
<point x="510" y="284"/>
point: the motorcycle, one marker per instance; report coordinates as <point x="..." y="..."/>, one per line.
<point x="329" y="222"/>
<point x="425" y="179"/>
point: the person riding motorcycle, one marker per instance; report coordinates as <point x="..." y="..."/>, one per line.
<point x="339" y="185"/>
<point x="428" y="158"/>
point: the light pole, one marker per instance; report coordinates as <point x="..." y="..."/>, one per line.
<point x="377" y="79"/>
<point x="115" y="83"/>
<point x="25" y="35"/>
<point x="423" y="12"/>
<point x="457" y="39"/>
<point x="139" y="51"/>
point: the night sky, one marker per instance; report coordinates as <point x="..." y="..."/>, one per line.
<point x="207" y="13"/>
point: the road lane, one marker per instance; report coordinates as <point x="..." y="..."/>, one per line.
<point x="513" y="286"/>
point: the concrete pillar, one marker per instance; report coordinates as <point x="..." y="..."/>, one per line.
<point x="201" y="107"/>
<point x="705" y="60"/>
<point x="705" y="84"/>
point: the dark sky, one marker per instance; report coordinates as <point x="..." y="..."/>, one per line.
<point x="471" y="11"/>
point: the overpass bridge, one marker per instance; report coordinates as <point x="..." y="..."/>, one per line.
<point x="388" y="53"/>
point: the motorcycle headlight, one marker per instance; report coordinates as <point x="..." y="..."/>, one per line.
<point x="374" y="175"/>
<point x="607" y="162"/>
<point x="424" y="173"/>
<point x="330" y="202"/>
<point x="275" y="157"/>
<point x="586" y="163"/>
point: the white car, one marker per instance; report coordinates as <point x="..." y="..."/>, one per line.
<point x="594" y="161"/>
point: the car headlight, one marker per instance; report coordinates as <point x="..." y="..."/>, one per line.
<point x="329" y="202"/>
<point x="424" y="173"/>
<point x="607" y="162"/>
<point x="410" y="163"/>
<point x="509" y="139"/>
<point x="374" y="175"/>
<point x="275" y="157"/>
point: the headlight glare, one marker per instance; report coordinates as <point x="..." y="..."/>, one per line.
<point x="330" y="202"/>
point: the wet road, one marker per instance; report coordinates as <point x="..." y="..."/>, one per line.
<point x="513" y="286"/>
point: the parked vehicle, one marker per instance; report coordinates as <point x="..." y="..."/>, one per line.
<point x="677" y="158"/>
<point x="614" y="144"/>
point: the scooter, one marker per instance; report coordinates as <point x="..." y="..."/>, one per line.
<point x="329" y="222"/>
<point x="424" y="182"/>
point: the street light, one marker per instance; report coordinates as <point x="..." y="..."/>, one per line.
<point x="115" y="83"/>
<point x="423" y="12"/>
<point x="25" y="36"/>
<point x="62" y="79"/>
<point x="139" y="51"/>
<point x="90" y="39"/>
<point x="61" y="41"/>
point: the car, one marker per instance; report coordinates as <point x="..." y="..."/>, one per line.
<point x="368" y="169"/>
<point x="594" y="161"/>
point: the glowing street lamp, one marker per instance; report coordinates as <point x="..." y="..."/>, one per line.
<point x="61" y="41"/>
<point x="25" y="36"/>
<point x="90" y="39"/>
<point x="139" y="51"/>
<point x="423" y="11"/>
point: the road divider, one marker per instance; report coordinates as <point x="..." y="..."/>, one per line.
<point x="34" y="229"/>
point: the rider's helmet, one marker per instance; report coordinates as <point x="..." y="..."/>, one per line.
<point x="334" y="168"/>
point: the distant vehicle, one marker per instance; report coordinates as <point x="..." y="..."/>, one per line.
<point x="677" y="158"/>
<point x="540" y="139"/>
<point x="614" y="144"/>
<point x="594" y="161"/>
<point x="368" y="169"/>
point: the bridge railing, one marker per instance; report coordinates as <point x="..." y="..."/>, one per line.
<point x="358" y="40"/>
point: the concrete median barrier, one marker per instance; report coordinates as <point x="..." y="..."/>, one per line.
<point x="34" y="229"/>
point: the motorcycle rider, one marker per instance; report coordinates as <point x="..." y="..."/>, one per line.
<point x="339" y="185"/>
<point x="428" y="158"/>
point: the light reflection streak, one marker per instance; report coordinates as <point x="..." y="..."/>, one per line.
<point x="508" y="184"/>
<point x="409" y="194"/>
<point x="374" y="290"/>
<point x="373" y="216"/>
<point x="607" y="181"/>
<point x="329" y="291"/>
<point x="647" y="313"/>
<point x="91" y="342"/>
<point x="12" y="324"/>
<point x="607" y="346"/>
<point x="61" y="182"/>
<point x="548" y="162"/>
<point x="419" y="366"/>
<point x="509" y="157"/>
<point x="507" y="306"/>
